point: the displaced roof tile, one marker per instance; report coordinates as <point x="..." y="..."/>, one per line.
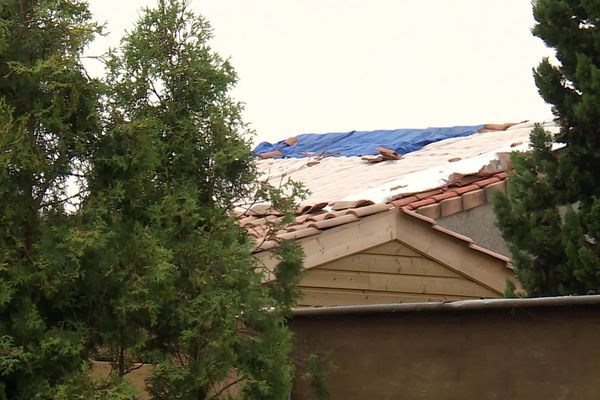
<point x="270" y="154"/>
<point x="312" y="208"/>
<point x="341" y="205"/>
<point x="361" y="203"/>
<point x="261" y="210"/>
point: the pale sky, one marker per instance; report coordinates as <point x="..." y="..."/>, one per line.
<point x="316" y="66"/>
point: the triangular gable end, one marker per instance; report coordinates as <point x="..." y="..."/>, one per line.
<point x="396" y="257"/>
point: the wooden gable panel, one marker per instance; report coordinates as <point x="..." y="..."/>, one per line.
<point x="323" y="278"/>
<point x="388" y="273"/>
<point x="393" y="248"/>
<point x="385" y="264"/>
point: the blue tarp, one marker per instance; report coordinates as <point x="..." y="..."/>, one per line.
<point x="362" y="143"/>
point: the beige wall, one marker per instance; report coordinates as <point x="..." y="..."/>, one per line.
<point x="532" y="353"/>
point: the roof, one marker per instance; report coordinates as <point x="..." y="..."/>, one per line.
<point x="316" y="220"/>
<point x="441" y="179"/>
<point x="333" y="178"/>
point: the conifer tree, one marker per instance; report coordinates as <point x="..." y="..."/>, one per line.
<point x="551" y="217"/>
<point x="145" y="262"/>
<point x="174" y="275"/>
<point x="48" y="118"/>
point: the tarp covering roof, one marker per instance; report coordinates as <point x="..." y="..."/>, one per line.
<point x="362" y="143"/>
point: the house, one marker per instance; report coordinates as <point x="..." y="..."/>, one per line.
<point x="387" y="227"/>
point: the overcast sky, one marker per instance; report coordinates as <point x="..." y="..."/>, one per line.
<point x="337" y="65"/>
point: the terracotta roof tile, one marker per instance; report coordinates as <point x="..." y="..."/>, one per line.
<point x="261" y="210"/>
<point x="445" y="195"/>
<point x="302" y="233"/>
<point x="488" y="181"/>
<point x="312" y="208"/>
<point x="341" y="205"/>
<point x="247" y="221"/>
<point x="330" y="223"/>
<point x="294" y="228"/>
<point x="361" y="203"/>
<point x="264" y="245"/>
<point x="300" y="219"/>
<point x="424" y="202"/>
<point x="321" y="217"/>
<point x="405" y="201"/>
<point x="369" y="210"/>
<point x="429" y="193"/>
<point x="501" y="175"/>
<point x="465" y="189"/>
<point x="270" y="154"/>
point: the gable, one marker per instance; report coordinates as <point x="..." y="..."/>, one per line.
<point x="388" y="273"/>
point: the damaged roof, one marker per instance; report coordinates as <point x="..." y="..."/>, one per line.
<point x="440" y="179"/>
<point x="382" y="179"/>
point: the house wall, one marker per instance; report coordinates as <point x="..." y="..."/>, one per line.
<point x="480" y="225"/>
<point x="545" y="353"/>
<point x="389" y="273"/>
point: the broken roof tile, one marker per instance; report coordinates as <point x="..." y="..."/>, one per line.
<point x="361" y="203"/>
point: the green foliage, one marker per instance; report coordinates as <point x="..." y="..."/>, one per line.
<point x="47" y="117"/>
<point x="551" y="216"/>
<point x="146" y="263"/>
<point x="180" y="285"/>
<point x="318" y="367"/>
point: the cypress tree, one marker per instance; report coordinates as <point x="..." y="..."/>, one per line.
<point x="48" y="117"/>
<point x="551" y="216"/>
<point x="174" y="276"/>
